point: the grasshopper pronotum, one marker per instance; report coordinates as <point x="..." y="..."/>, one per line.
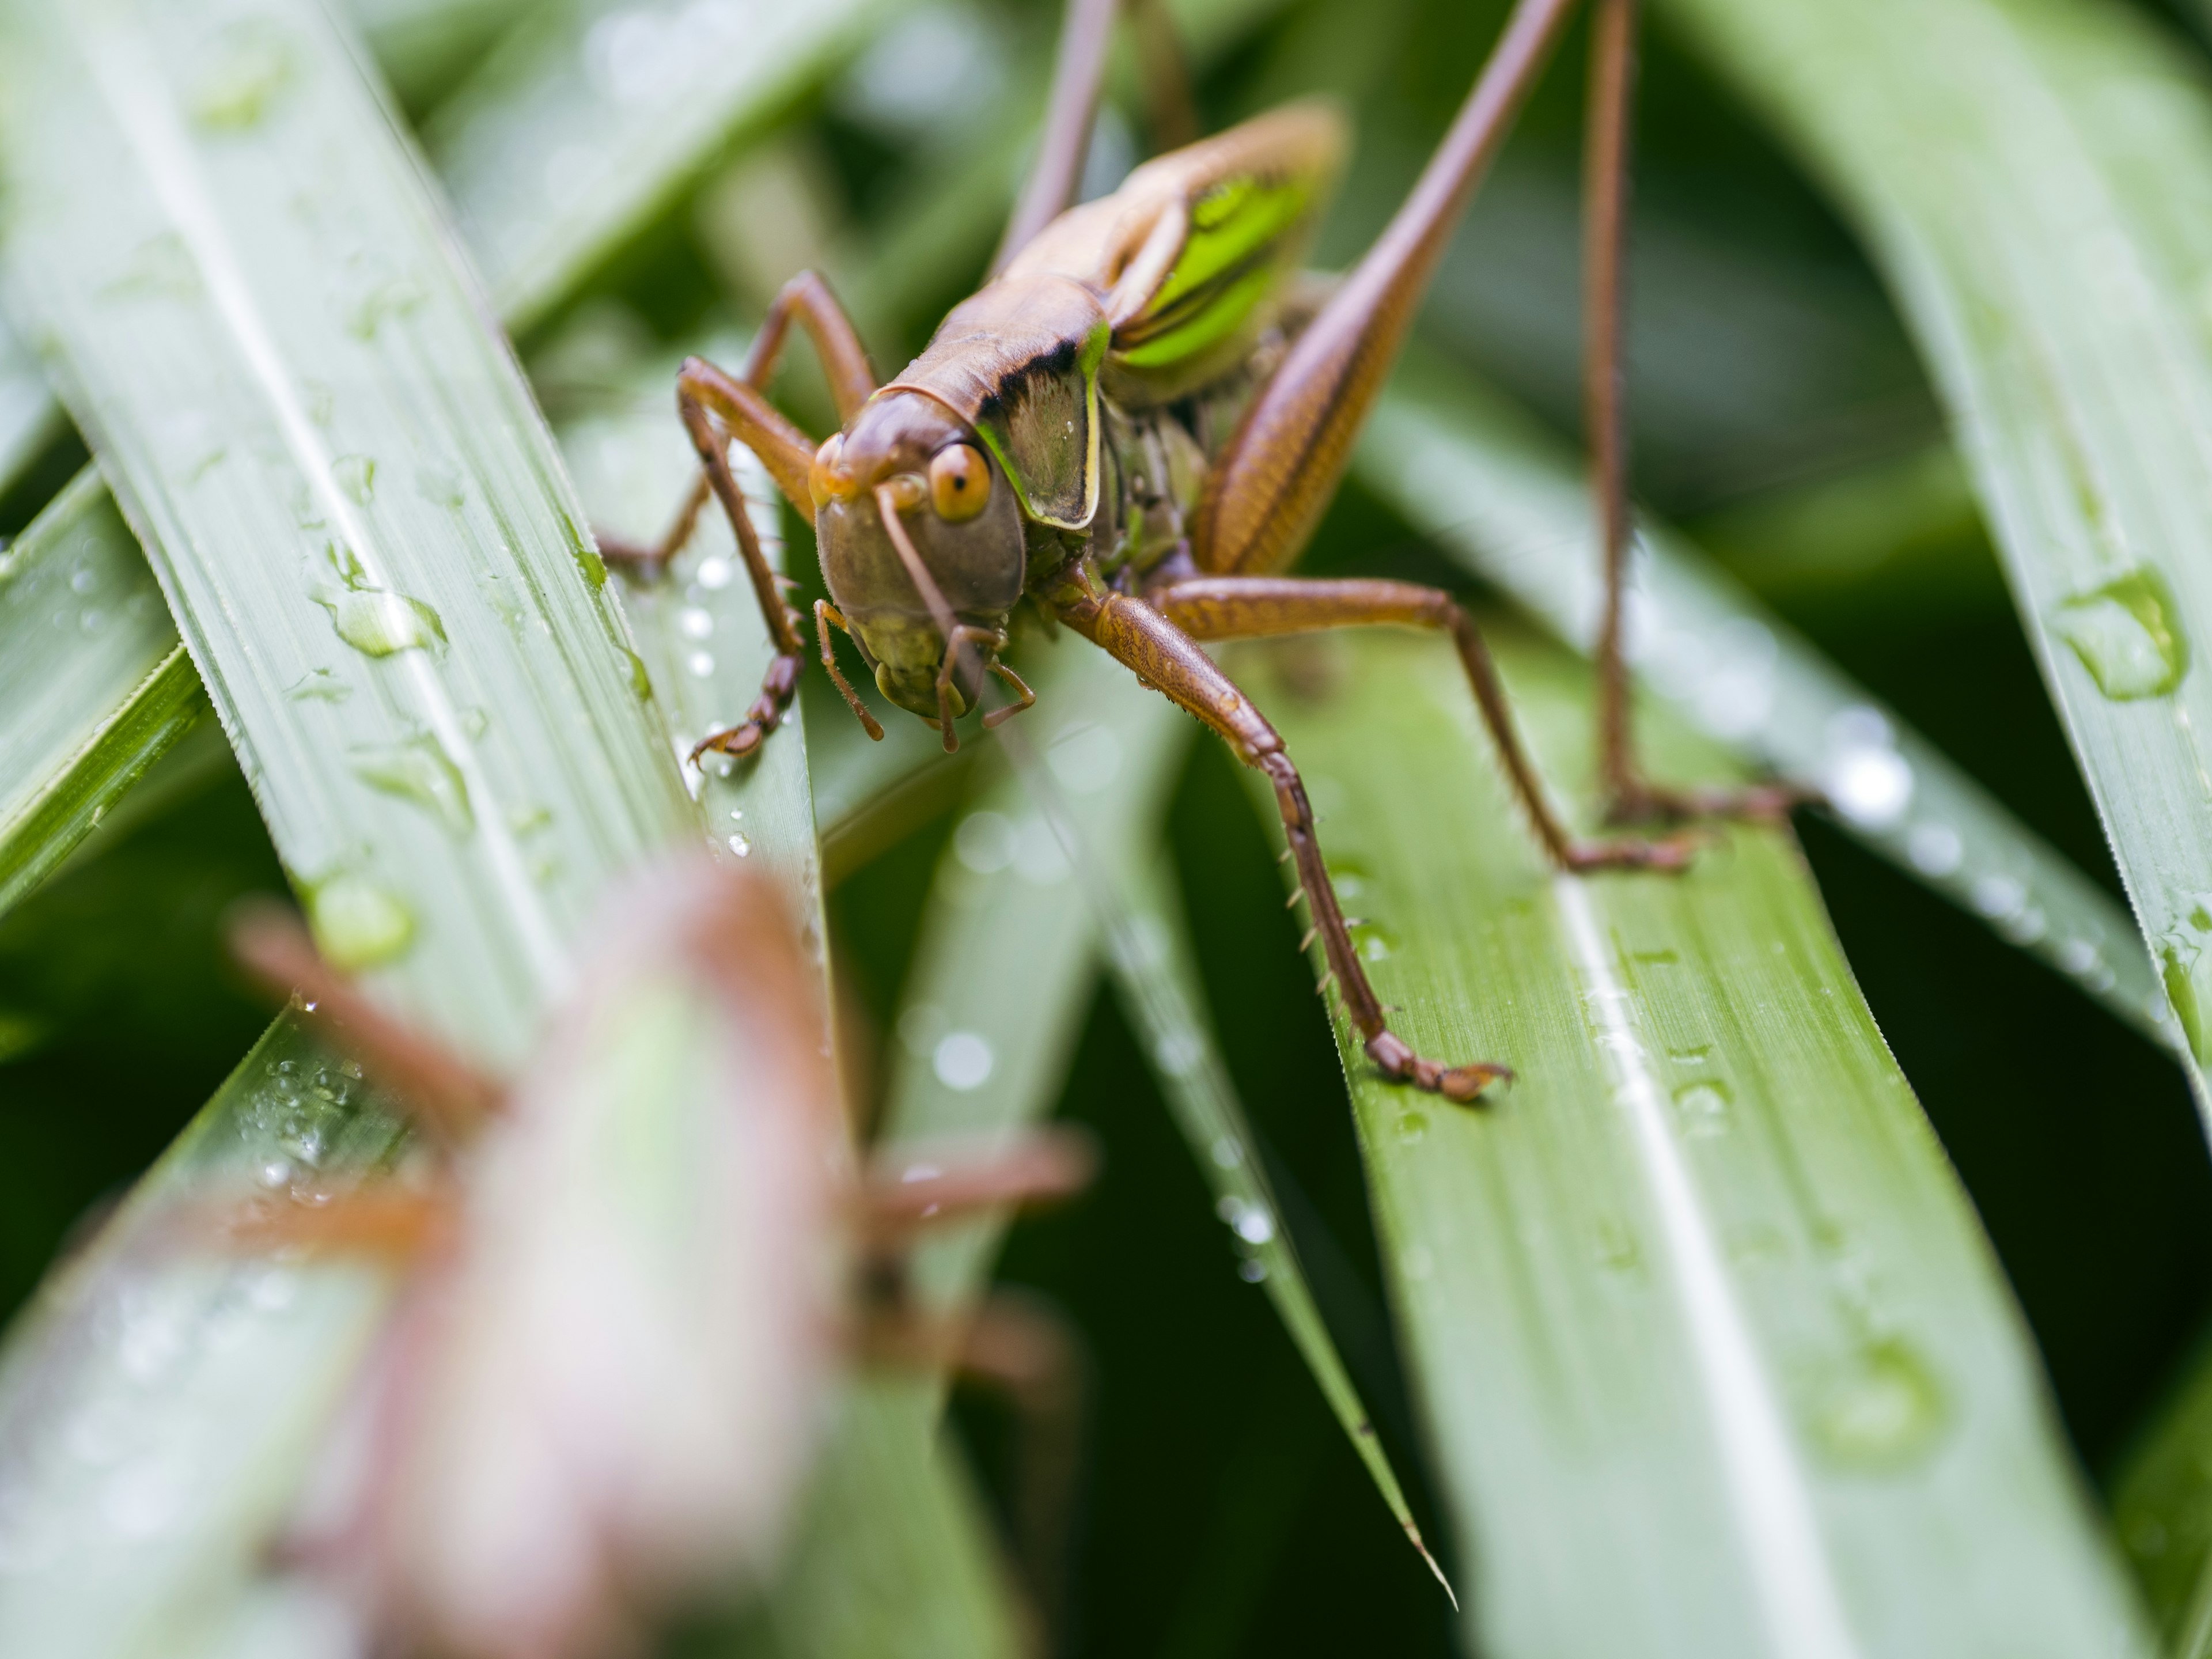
<point x="633" y="1279"/>
<point x="1136" y="424"/>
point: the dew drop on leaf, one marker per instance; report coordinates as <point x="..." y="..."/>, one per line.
<point x="357" y="924"/>
<point x="2127" y="634"/>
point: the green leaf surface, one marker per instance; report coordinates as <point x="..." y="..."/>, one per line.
<point x="352" y="504"/>
<point x="91" y="673"/>
<point x="2032" y="176"/>
<point x="2162" y="1511"/>
<point x="593" y="114"/>
<point x="893" y="1556"/>
<point x="1490" y="488"/>
<point x="1695" y="1309"/>
<point x="30" y="419"/>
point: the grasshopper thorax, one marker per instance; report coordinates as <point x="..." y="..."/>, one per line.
<point x="919" y="532"/>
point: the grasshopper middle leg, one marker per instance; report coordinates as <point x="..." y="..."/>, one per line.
<point x="1250" y="607"/>
<point x="1143" y="638"/>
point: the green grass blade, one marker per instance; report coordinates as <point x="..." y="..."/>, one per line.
<point x="1134" y="906"/>
<point x="2162" y="1511"/>
<point x="1000" y="982"/>
<point x="325" y="446"/>
<point x="2032" y="179"/>
<point x="1696" y="1311"/>
<point x="894" y="1556"/>
<point x="1490" y="488"/>
<point x="91" y="673"/>
<point x="30" y="419"/>
<point x="594" y="114"/>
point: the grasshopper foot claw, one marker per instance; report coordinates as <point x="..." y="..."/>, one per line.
<point x="1462" y="1083"/>
<point x="738" y="741"/>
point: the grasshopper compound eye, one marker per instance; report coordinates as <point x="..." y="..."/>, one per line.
<point x="827" y="481"/>
<point x="959" y="482"/>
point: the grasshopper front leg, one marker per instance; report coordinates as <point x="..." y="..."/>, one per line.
<point x="1144" y="640"/>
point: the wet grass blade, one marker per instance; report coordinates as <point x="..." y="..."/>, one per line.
<point x="1483" y="481"/>
<point x="1133" y="910"/>
<point x="1695" y="1310"/>
<point x="351" y="501"/>
<point x="95" y="681"/>
<point x="2162" y="1511"/>
<point x="894" y="1553"/>
<point x="2032" y="178"/>
<point x="594" y="114"/>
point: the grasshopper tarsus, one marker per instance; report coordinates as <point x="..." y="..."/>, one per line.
<point x="1461" y="1084"/>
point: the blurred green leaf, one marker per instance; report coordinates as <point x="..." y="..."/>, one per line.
<point x="1695" y="1309"/>
<point x="2034" y="176"/>
<point x="2162" y="1511"/>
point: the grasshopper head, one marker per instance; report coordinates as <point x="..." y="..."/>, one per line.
<point x="960" y="522"/>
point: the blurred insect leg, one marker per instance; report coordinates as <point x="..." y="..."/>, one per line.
<point x="915" y="1186"/>
<point x="1162" y="655"/>
<point x="844" y="361"/>
<point x="1253" y="607"/>
<point x="1630" y="796"/>
<point x="1281" y="465"/>
<point x="827" y="616"/>
<point x="704" y="395"/>
<point x="445" y="1095"/>
<point x="379" y="1219"/>
<point x="1070" y="109"/>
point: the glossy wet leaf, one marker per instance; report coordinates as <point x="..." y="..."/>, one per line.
<point x="2032" y="179"/>
<point x="94" y="683"/>
<point x="1490" y="488"/>
<point x="892" y="1554"/>
<point x="595" y="114"/>
<point x="1695" y="1309"/>
<point x="375" y="554"/>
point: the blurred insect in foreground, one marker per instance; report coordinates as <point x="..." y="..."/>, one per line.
<point x="1137" y="424"/>
<point x="635" y="1278"/>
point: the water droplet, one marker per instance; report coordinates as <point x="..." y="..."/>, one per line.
<point x="2128" y="635"/>
<point x="357" y="924"/>
<point x="716" y="573"/>
<point x="1870" y="785"/>
<point x="275" y="1173"/>
<point x="440" y="488"/>
<point x="91" y="620"/>
<point x="2186" y="971"/>
<point x="1999" y="896"/>
<point x="1934" y="849"/>
<point x="319" y="685"/>
<point x="83" y="580"/>
<point x="1227" y="1154"/>
<point x="1038" y="855"/>
<point x="1179" y="1053"/>
<point x="694" y="622"/>
<point x="700" y="664"/>
<point x="984" y="842"/>
<point x="1884" y="1412"/>
<point x="1252" y="1270"/>
<point x="378" y="622"/>
<point x="962" y="1060"/>
<point x="1412" y="1126"/>
<point x="356" y="475"/>
<point x="394" y="296"/>
<point x="1373" y="941"/>
<point x="1704" y="1107"/>
<point x="1252" y="1223"/>
<point x="740" y="845"/>
<point x="640" y="682"/>
<point x="1655" y="958"/>
<point x="2079" y="957"/>
<point x="236" y="94"/>
<point x="1086" y="758"/>
<point x="1696" y="1053"/>
<point x="418" y="771"/>
<point x="475" y="723"/>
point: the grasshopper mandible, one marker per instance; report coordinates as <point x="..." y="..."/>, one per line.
<point x="633" y="1279"/>
<point x="1136" y="424"/>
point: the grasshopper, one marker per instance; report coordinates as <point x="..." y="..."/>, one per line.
<point x="634" y="1279"/>
<point x="1135" y="425"/>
